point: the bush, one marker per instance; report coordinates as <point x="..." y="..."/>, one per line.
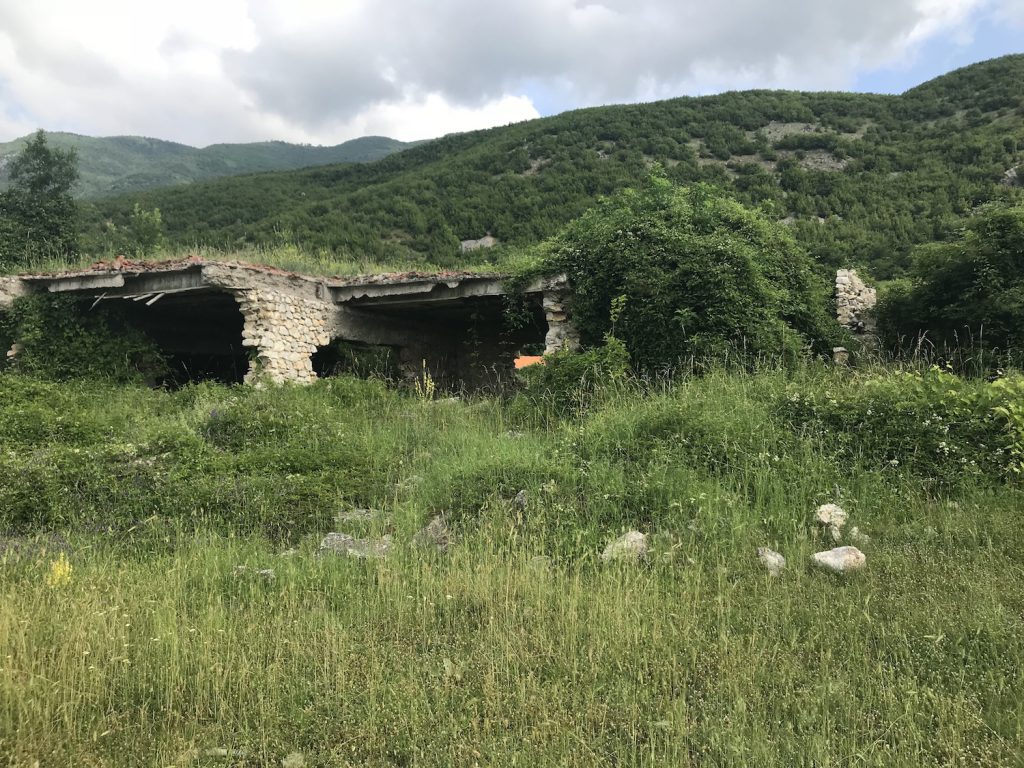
<point x="61" y="338"/>
<point x="968" y="293"/>
<point x="932" y="424"/>
<point x="568" y="381"/>
<point x="702" y="277"/>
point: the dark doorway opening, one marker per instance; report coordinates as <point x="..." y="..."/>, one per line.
<point x="198" y="332"/>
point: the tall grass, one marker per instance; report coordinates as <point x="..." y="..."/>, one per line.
<point x="166" y="646"/>
<point x="288" y="257"/>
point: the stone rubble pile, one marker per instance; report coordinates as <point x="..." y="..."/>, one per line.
<point x="854" y="301"/>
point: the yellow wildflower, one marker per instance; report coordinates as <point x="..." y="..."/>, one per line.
<point x="60" y="572"/>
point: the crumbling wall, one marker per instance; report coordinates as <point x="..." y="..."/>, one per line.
<point x="10" y="289"/>
<point x="284" y="330"/>
<point x="562" y="334"/>
<point x="855" y="301"/>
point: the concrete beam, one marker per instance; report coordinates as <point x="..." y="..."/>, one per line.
<point x="84" y="283"/>
<point x="415" y="293"/>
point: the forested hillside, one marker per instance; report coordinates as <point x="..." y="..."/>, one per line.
<point x="122" y="164"/>
<point x="860" y="178"/>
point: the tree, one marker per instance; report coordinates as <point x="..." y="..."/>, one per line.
<point x="966" y="291"/>
<point x="142" y="236"/>
<point x="38" y="215"/>
<point x="701" y="275"/>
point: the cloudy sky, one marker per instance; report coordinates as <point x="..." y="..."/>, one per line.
<point x="323" y="71"/>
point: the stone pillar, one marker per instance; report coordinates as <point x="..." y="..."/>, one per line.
<point x="854" y="302"/>
<point x="562" y="334"/>
<point x="10" y="289"/>
<point x="285" y="331"/>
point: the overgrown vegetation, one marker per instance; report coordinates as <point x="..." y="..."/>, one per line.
<point x="966" y="293"/>
<point x="136" y="630"/>
<point x="699" y="276"/>
<point x="61" y="337"/>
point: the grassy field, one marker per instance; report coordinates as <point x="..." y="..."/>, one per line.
<point x="153" y="640"/>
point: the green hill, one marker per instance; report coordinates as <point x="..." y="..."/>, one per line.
<point x="124" y="164"/>
<point x="861" y="178"/>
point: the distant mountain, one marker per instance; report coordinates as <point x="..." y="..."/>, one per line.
<point x="859" y="178"/>
<point x="123" y="164"/>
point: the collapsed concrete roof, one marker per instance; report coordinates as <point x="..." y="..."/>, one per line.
<point x="286" y="316"/>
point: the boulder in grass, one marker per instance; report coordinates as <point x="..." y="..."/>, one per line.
<point x="841" y="560"/>
<point x="630" y="546"/>
<point x="349" y="546"/>
<point x="772" y="560"/>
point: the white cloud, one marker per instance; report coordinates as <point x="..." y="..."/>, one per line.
<point x="1012" y="12"/>
<point x="324" y="71"/>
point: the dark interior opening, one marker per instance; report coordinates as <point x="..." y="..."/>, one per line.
<point x="363" y="360"/>
<point x="198" y="332"/>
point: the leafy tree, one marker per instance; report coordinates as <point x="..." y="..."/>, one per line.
<point x="38" y="216"/>
<point x="701" y="275"/>
<point x="964" y="291"/>
<point x="143" y="235"/>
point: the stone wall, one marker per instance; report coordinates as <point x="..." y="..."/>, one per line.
<point x="10" y="289"/>
<point x="285" y="331"/>
<point x="562" y="334"/>
<point x="854" y="302"/>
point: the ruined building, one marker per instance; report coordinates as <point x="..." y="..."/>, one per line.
<point x="235" y="321"/>
<point x="240" y="322"/>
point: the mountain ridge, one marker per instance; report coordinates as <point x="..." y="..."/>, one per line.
<point x="124" y="164"/>
<point x="861" y="178"/>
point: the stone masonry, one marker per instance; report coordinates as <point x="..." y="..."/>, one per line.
<point x="562" y="334"/>
<point x="285" y="331"/>
<point x="854" y="302"/>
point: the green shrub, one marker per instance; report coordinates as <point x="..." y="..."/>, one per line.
<point x="63" y="338"/>
<point x="932" y="424"/>
<point x="966" y="297"/>
<point x="568" y="381"/>
<point x="702" y="277"/>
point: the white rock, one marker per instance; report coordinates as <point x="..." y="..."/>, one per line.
<point x="629" y="546"/>
<point x="343" y="544"/>
<point x="831" y="515"/>
<point x="772" y="560"/>
<point x="841" y="560"/>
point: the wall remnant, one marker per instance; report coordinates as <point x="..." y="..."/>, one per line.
<point x="284" y="331"/>
<point x="10" y="289"/>
<point x="562" y="334"/>
<point x="855" y="301"/>
<point x="487" y="241"/>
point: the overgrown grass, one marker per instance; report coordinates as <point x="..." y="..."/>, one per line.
<point x="158" y="649"/>
<point x="289" y="257"/>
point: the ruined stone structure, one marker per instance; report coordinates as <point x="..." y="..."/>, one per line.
<point x="854" y="302"/>
<point x="243" y="322"/>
